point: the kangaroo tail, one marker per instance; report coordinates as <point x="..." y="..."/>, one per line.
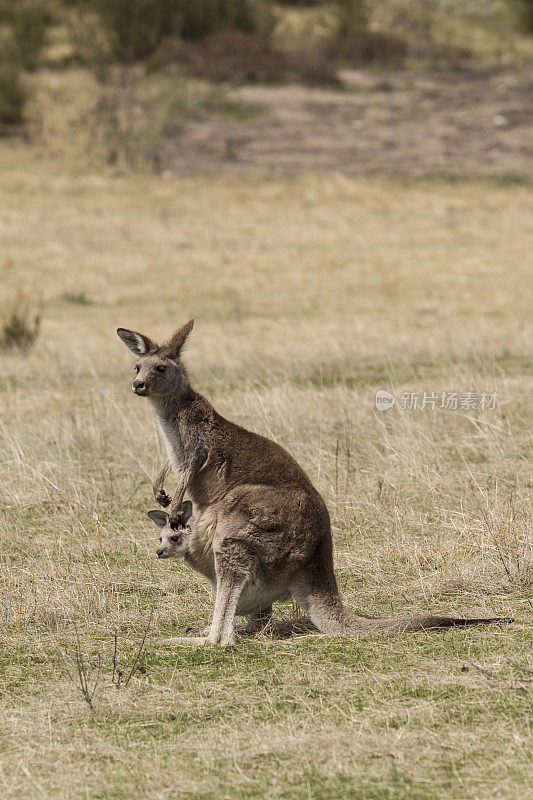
<point x="351" y="625"/>
<point x="330" y="615"/>
<point x="317" y="592"/>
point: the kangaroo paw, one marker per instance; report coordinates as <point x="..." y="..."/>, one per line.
<point x="163" y="498"/>
<point x="175" y="519"/>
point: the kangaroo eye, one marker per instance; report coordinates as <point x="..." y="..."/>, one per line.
<point x="174" y="538"/>
<point x="160" y="538"/>
<point x="161" y="368"/>
<point x="136" y="368"/>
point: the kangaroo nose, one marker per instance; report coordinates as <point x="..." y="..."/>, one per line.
<point x="160" y="552"/>
<point x="139" y="387"/>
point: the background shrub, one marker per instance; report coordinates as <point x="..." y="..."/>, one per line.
<point x="353" y="16"/>
<point x="525" y="15"/>
<point x="23" y="31"/>
<point x="136" y="28"/>
<point x="235" y="57"/>
<point x="29" y="25"/>
<point x="231" y="56"/>
<point x="357" y="44"/>
<point x="204" y="17"/>
<point x="364" y="46"/>
<point x="13" y="96"/>
<point x="301" y="3"/>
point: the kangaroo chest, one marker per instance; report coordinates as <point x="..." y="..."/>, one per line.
<point x="173" y="443"/>
<point x="200" y="555"/>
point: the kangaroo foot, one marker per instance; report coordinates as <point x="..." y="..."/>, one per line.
<point x="186" y="641"/>
<point x="221" y="641"/>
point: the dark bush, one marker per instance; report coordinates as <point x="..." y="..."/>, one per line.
<point x="135" y="27"/>
<point x="364" y="47"/>
<point x="230" y="56"/>
<point x="13" y="96"/>
<point x="29" y="24"/>
<point x="353" y="16"/>
<point x="301" y="3"/>
<point x="235" y="57"/>
<point x="313" y="67"/>
<point x="525" y="15"/>
<point x="202" y="18"/>
<point x="357" y="44"/>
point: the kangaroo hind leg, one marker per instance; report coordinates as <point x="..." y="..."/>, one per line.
<point x="234" y="567"/>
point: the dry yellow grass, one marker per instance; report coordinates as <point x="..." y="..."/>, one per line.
<point x="309" y="294"/>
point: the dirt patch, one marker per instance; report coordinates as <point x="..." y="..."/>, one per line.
<point x="393" y="123"/>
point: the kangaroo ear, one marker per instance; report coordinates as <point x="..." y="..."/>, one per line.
<point x="173" y="346"/>
<point x="137" y="343"/>
<point x="159" y="517"/>
<point x="186" y="510"/>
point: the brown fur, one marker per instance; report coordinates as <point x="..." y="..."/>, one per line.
<point x="261" y="530"/>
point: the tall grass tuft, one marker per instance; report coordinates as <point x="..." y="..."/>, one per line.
<point x="21" y="325"/>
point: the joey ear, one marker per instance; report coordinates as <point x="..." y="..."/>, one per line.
<point x="186" y="511"/>
<point x="136" y="342"/>
<point x="159" y="517"/>
<point x="173" y="346"/>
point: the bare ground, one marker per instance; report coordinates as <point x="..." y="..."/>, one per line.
<point x="389" y="122"/>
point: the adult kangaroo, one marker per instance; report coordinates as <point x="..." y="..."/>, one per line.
<point x="262" y="530"/>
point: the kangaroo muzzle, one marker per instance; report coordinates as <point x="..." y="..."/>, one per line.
<point x="140" y="388"/>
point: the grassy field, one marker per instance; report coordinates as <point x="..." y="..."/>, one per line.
<point x="309" y="293"/>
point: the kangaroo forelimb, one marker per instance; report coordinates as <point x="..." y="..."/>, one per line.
<point x="158" y="487"/>
<point x="174" y="512"/>
<point x="185" y="476"/>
